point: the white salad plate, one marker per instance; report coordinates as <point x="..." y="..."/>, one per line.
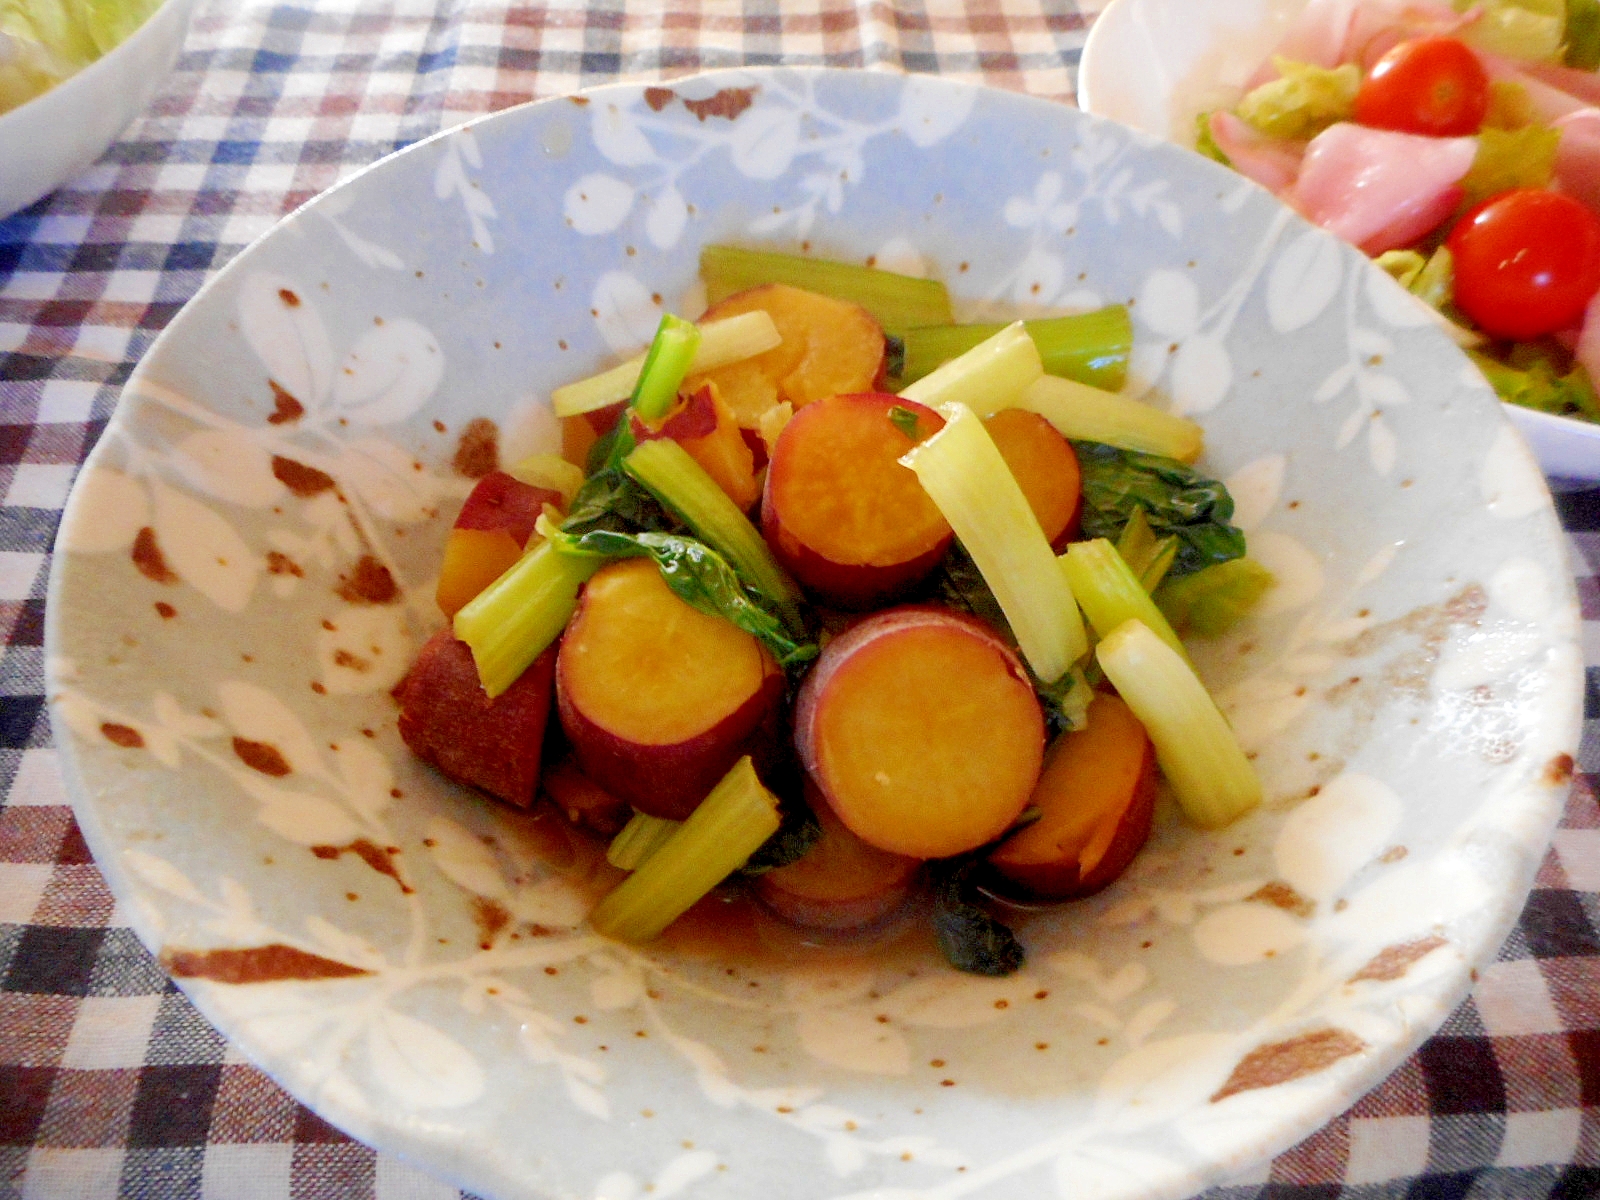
<point x="1156" y="64"/>
<point x="247" y="562"/>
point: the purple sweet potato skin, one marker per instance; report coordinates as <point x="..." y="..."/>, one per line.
<point x="447" y="720"/>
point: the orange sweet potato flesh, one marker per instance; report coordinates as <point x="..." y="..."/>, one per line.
<point x="494" y="524"/>
<point x="473" y="559"/>
<point x="658" y="699"/>
<point x="829" y="346"/>
<point x="1045" y="466"/>
<point x="584" y="802"/>
<point x="447" y="720"/>
<point x="1096" y="796"/>
<point x="841" y="882"/>
<point x="704" y="426"/>
<point x="921" y="729"/>
<point x="851" y="524"/>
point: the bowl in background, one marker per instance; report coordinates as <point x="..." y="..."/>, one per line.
<point x="246" y="566"/>
<point x="56" y="135"/>
<point x="1155" y="65"/>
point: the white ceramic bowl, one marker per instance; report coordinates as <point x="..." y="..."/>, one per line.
<point x="1155" y="64"/>
<point x="412" y="961"/>
<point x="55" y="136"/>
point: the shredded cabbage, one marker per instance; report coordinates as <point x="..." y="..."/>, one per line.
<point x="43" y="42"/>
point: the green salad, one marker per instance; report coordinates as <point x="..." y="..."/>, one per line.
<point x="43" y="42"/>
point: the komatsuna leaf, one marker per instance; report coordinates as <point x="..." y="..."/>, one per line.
<point x="699" y="576"/>
<point x="1177" y="501"/>
<point x="970" y="939"/>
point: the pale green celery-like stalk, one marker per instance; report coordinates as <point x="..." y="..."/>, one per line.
<point x="897" y="301"/>
<point x="1110" y="593"/>
<point x="549" y="471"/>
<point x="1091" y="347"/>
<point x="668" y="360"/>
<point x="1150" y="557"/>
<point x="989" y="377"/>
<point x="667" y="471"/>
<point x="1195" y="746"/>
<point x="641" y="837"/>
<point x="731" y="339"/>
<point x="1082" y="413"/>
<point x="723" y="831"/>
<point x="965" y="475"/>
<point x="513" y="620"/>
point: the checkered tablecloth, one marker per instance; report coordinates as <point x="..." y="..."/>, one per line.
<point x="110" y="1083"/>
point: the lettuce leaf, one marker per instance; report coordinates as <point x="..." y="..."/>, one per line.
<point x="1303" y="101"/>
<point x="1511" y="158"/>
<point x="1535" y="379"/>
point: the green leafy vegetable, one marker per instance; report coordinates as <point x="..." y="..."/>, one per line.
<point x="43" y="42"/>
<point x="1534" y="380"/>
<point x="970" y="938"/>
<point x="1177" y="501"/>
<point x="1511" y="158"/>
<point x="1303" y="101"/>
<point x="1581" y="47"/>
<point x="1205" y="143"/>
<point x="798" y="831"/>
<point x="1066" y="701"/>
<point x="1528" y="29"/>
<point x="1149" y="557"/>
<point x="1510" y="106"/>
<point x="698" y="575"/>
<point x="905" y="421"/>
<point x="613" y="500"/>
<point x="1210" y="601"/>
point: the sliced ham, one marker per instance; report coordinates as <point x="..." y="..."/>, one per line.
<point x="1585" y="85"/>
<point x="1550" y="103"/>
<point x="1272" y="162"/>
<point x="1577" y="170"/>
<point x="1588" y="348"/>
<point x="1377" y="28"/>
<point x="1326" y="33"/>
<point x="1380" y="189"/>
<point x="1317" y="36"/>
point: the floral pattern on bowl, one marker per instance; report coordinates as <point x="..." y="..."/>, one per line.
<point x="247" y="565"/>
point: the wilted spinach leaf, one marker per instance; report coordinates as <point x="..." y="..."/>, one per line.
<point x="970" y="938"/>
<point x="1177" y="501"/>
<point x="610" y="500"/>
<point x="797" y="833"/>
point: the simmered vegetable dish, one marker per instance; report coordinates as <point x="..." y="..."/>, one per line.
<point x="839" y="601"/>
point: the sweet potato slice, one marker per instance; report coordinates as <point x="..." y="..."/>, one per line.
<point x="659" y="699"/>
<point x="495" y="523"/>
<point x="851" y="524"/>
<point x="841" y="882"/>
<point x="921" y="729"/>
<point x="829" y="346"/>
<point x="704" y="426"/>
<point x="1045" y="467"/>
<point x="447" y="720"/>
<point x="1096" y="796"/>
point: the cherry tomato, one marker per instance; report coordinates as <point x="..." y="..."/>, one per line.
<point x="1430" y="85"/>
<point x="1526" y="262"/>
